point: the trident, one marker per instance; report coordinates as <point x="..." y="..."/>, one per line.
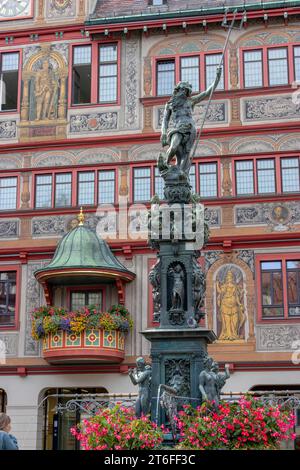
<point x="230" y="28"/>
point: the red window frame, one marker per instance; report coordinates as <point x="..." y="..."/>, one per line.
<point x="283" y="258"/>
<point x="11" y="51"/>
<point x="152" y="178"/>
<point x="74" y="185"/>
<point x="177" y="58"/>
<point x="265" y="64"/>
<point x="53" y="185"/>
<point x="87" y="288"/>
<point x="281" y="178"/>
<point x="95" y="74"/>
<point x="277" y="174"/>
<point x="18" y="204"/>
<point x="17" y="269"/>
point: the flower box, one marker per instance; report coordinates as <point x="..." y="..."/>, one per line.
<point x="94" y="345"/>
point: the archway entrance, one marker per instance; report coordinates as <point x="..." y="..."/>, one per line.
<point x="57" y="425"/>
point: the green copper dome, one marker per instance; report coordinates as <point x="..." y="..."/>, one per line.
<point x="82" y="253"/>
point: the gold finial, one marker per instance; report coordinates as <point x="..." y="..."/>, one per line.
<point x="80" y="217"/>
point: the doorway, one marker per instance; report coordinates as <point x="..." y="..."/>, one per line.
<point x="57" y="435"/>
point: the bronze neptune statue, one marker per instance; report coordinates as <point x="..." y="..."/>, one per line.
<point x="182" y="135"/>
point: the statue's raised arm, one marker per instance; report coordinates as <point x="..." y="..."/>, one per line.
<point x="205" y="94"/>
<point x="181" y="136"/>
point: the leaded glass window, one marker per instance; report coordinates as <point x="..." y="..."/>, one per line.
<point x="212" y="61"/>
<point x="208" y="179"/>
<point x="266" y="176"/>
<point x="63" y="189"/>
<point x="86" y="188"/>
<point x="290" y="174"/>
<point x="108" y="73"/>
<point x="8" y="193"/>
<point x="278" y="66"/>
<point x="165" y="77"/>
<point x="190" y="71"/>
<point x="142" y="184"/>
<point x="244" y="177"/>
<point x="106" y="187"/>
<point x="253" y="69"/>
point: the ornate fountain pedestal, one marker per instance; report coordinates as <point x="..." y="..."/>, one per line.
<point x="178" y="344"/>
<point x="177" y="360"/>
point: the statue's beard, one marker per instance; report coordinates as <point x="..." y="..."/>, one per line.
<point x="178" y="98"/>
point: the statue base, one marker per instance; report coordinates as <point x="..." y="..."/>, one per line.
<point x="177" y="358"/>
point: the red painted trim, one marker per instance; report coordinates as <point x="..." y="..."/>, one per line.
<point x="283" y="257"/>
<point x="121" y="368"/>
<point x="16" y="268"/>
<point x="143" y="138"/>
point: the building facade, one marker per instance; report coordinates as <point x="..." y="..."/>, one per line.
<point x="83" y="87"/>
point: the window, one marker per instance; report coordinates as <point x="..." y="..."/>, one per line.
<point x="106" y="187"/>
<point x="253" y="69"/>
<point x="244" y="177"/>
<point x="81" y="299"/>
<point x="165" y="77"/>
<point x="95" y="74"/>
<point x="82" y="63"/>
<point x="43" y="191"/>
<point x="186" y="67"/>
<point x="8" y="193"/>
<point x="278" y="66"/>
<point x="158" y="184"/>
<point x="290" y="174"/>
<point x="157" y="2"/>
<point x="189" y="67"/>
<point x="63" y="189"/>
<point x="293" y="287"/>
<point x="141" y="184"/>
<point x="266" y="176"/>
<point x="208" y="179"/>
<point x="9" y="81"/>
<point x="212" y="61"/>
<point x="108" y="76"/>
<point x="192" y="176"/>
<point x="8" y="280"/>
<point x="297" y="63"/>
<point x="86" y="188"/>
<point x="280" y="288"/>
<point x="272" y="289"/>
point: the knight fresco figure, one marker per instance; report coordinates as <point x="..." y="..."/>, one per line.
<point x="182" y="135"/>
<point x="141" y="376"/>
<point x="45" y="92"/>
